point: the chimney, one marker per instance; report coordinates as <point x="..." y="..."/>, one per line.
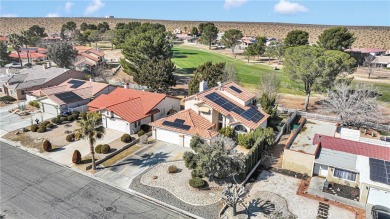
<point x="126" y="86"/>
<point x="202" y="86"/>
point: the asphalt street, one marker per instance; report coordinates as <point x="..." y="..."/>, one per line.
<point x="32" y="187"/>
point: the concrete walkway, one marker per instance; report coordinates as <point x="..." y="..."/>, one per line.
<point x="64" y="154"/>
<point x="315" y="188"/>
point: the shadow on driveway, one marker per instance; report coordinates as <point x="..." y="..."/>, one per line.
<point x="145" y="160"/>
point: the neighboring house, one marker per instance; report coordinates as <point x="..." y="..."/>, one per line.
<point x="35" y="54"/>
<point x="177" y="31"/>
<point x="270" y="40"/>
<point x="37" y="77"/>
<point x="71" y="95"/>
<point x="182" y="126"/>
<point x="126" y="110"/>
<point x="361" y="53"/>
<point x="185" y="37"/>
<point x="382" y="61"/>
<point x="340" y="156"/>
<point x="88" y="58"/>
<point x="4" y="39"/>
<point x="247" y="41"/>
<point x="228" y="105"/>
<point x="51" y="38"/>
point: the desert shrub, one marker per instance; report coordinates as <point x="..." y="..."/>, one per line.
<point x="83" y="116"/>
<point x="144" y="139"/>
<point x="145" y="128"/>
<point x="54" y="120"/>
<point x="140" y="133"/>
<point x="45" y="123"/>
<point x="227" y="131"/>
<point x="34" y="103"/>
<point x="46" y="145"/>
<point x="246" y="140"/>
<point x="49" y="125"/>
<point x="196" y="182"/>
<point x="6" y="99"/>
<point x="194" y="174"/>
<point x="63" y="119"/>
<point x="99" y="135"/>
<point x="41" y="129"/>
<point x="70" y="137"/>
<point x="105" y="149"/>
<point x="126" y="138"/>
<point x="34" y="128"/>
<point x="59" y="117"/>
<point x="76" y="158"/>
<point x="70" y="118"/>
<point x="98" y="148"/>
<point x="172" y="169"/>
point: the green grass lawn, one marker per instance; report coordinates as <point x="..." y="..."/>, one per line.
<point x="188" y="59"/>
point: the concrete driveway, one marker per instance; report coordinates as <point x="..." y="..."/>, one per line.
<point x="123" y="172"/>
<point x="64" y="155"/>
<point x="10" y="121"/>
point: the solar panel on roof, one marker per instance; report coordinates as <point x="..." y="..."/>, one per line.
<point x="378" y="171"/>
<point x="235" y="89"/>
<point x="176" y="125"/>
<point x="76" y="83"/>
<point x="179" y="121"/>
<point x="251" y="114"/>
<point x="68" y="97"/>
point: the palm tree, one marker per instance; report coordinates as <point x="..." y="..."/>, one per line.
<point x="90" y="129"/>
<point x="16" y="43"/>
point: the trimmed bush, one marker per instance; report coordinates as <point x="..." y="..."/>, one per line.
<point x="70" y="118"/>
<point x="34" y="103"/>
<point x="145" y="128"/>
<point x="99" y="135"/>
<point x="98" y="148"/>
<point x="41" y="129"/>
<point x="172" y="169"/>
<point x="126" y="138"/>
<point x="45" y="123"/>
<point x="63" y="119"/>
<point x="46" y="145"/>
<point x="140" y="133"/>
<point x="54" y="120"/>
<point x="195" y="174"/>
<point x="76" y="158"/>
<point x="59" y="117"/>
<point x="49" y="125"/>
<point x="34" y="128"/>
<point x="70" y="137"/>
<point x="105" y="149"/>
<point x="196" y="182"/>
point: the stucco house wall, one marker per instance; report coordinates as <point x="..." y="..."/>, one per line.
<point x="304" y="165"/>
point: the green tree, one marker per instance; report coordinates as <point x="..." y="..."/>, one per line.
<point x="275" y="49"/>
<point x="62" y="54"/>
<point x="80" y="38"/>
<point x="94" y="37"/>
<point x="36" y="30"/>
<point x="92" y="27"/>
<point x="83" y="26"/>
<point x="26" y="39"/>
<point x="202" y="25"/>
<point x="296" y="38"/>
<point x="268" y="105"/>
<point x="250" y="51"/>
<point x="194" y="31"/>
<point x="156" y="74"/>
<point x="209" y="72"/>
<point x="315" y="67"/>
<point x="209" y="34"/>
<point x="336" y="38"/>
<point x="71" y="25"/>
<point x="109" y="36"/>
<point x="103" y="27"/>
<point x="4" y="54"/>
<point x="120" y="25"/>
<point x="16" y="43"/>
<point x="261" y="39"/>
<point x="90" y="128"/>
<point x="230" y="38"/>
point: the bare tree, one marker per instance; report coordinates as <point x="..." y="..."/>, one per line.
<point x="354" y="105"/>
<point x="230" y="74"/>
<point x="369" y="64"/>
<point x="233" y="194"/>
<point x="101" y="72"/>
<point x="269" y="84"/>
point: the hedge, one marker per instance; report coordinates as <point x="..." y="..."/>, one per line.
<point x="50" y="125"/>
<point x="54" y="120"/>
<point x="102" y="148"/>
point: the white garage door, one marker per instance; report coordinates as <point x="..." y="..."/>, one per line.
<point x="47" y="108"/>
<point x="168" y="136"/>
<point x="117" y="124"/>
<point x="378" y="197"/>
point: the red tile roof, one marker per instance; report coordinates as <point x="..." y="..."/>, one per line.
<point x="24" y="55"/>
<point x="353" y="147"/>
<point x="131" y="105"/>
<point x="3" y="38"/>
<point x="198" y="125"/>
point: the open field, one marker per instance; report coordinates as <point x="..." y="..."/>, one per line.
<point x="366" y="36"/>
<point x="188" y="58"/>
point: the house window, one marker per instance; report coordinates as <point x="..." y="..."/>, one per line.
<point x="220" y="121"/>
<point x="343" y="174"/>
<point x="23" y="92"/>
<point x="137" y="123"/>
<point x="162" y="112"/>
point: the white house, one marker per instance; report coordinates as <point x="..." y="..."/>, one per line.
<point x="126" y="110"/>
<point x="227" y="105"/>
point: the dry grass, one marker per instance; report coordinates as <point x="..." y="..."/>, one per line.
<point x="366" y="36"/>
<point x="121" y="155"/>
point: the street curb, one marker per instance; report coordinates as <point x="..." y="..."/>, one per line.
<point x="128" y="190"/>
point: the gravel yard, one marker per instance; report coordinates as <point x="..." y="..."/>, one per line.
<point x="207" y="211"/>
<point x="177" y="184"/>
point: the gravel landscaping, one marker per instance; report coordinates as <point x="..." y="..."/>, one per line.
<point x="177" y="184"/>
<point x="206" y="211"/>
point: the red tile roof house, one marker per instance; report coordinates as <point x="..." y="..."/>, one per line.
<point x="37" y="77"/>
<point x="88" y="58"/>
<point x="71" y="95"/>
<point x="126" y="110"/>
<point x="34" y="53"/>
<point x="228" y="105"/>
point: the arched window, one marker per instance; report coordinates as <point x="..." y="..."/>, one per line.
<point x="240" y="129"/>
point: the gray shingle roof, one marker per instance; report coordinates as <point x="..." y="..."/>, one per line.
<point x="337" y="159"/>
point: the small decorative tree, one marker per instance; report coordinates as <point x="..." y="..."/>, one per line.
<point x="76" y="158"/>
<point x="233" y="194"/>
<point x="46" y="145"/>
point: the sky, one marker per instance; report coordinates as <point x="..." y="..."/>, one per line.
<point x="331" y="12"/>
